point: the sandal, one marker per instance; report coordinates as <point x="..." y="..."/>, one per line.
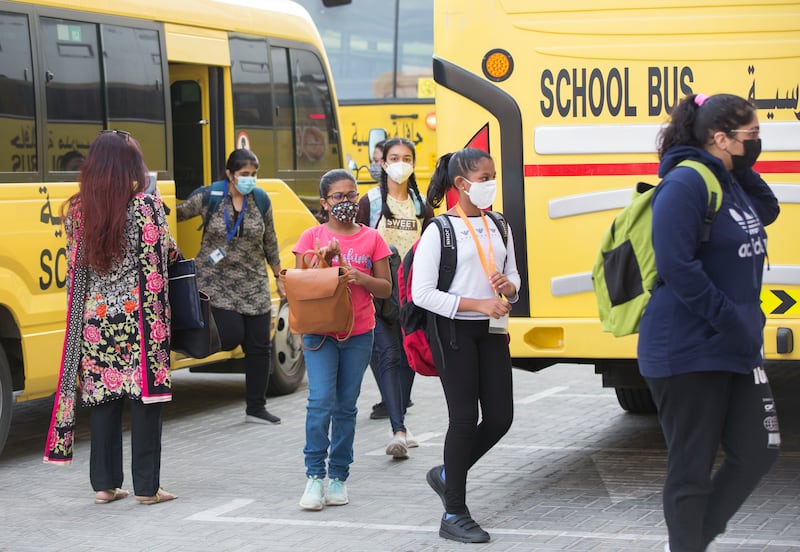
<point x="110" y="495"/>
<point x="160" y="496"/>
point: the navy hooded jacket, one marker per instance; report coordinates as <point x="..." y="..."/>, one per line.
<point x="705" y="311"/>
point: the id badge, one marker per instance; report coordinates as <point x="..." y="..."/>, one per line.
<point x="216" y="256"/>
<point x="498" y="325"/>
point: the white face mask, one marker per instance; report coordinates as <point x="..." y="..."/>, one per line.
<point x="482" y="194"/>
<point x="400" y="171"/>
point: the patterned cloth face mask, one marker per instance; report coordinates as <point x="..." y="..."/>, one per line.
<point x="345" y="211"/>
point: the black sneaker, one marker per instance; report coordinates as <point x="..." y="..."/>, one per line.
<point x="262" y="417"/>
<point x="462" y="528"/>
<point x="379" y="412"/>
<point x="434" y="478"/>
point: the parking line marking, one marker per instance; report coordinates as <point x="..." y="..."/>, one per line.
<point x="541" y="395"/>
<point x="217" y="514"/>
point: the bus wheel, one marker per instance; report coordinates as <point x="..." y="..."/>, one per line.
<point x="288" y="363"/>
<point x="636" y="400"/>
<point x="6" y="404"/>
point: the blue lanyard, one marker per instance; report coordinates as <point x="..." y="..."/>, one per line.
<point x="232" y="231"/>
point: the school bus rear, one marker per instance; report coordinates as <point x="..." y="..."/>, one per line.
<point x="569" y="98"/>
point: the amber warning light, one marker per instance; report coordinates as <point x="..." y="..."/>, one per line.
<point x="497" y="65"/>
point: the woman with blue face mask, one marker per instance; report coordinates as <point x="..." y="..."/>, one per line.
<point x="238" y="234"/>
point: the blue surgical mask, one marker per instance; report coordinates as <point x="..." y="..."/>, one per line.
<point x="375" y="171"/>
<point x="245" y="184"/>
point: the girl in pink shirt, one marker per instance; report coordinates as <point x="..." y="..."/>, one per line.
<point x="336" y="368"/>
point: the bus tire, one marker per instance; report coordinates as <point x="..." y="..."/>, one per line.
<point x="288" y="362"/>
<point x="6" y="398"/>
<point x="636" y="400"/>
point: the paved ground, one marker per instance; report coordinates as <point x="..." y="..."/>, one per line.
<point x="574" y="473"/>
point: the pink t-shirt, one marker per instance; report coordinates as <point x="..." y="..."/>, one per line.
<point x="360" y="250"/>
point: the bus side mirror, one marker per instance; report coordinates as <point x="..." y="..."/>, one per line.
<point x="375" y="135"/>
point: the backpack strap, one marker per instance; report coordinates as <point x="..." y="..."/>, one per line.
<point x="212" y="200"/>
<point x="714" y="194"/>
<point x="262" y="200"/>
<point x="374" y="195"/>
<point x="213" y="197"/>
<point x="376" y="206"/>
<point x="447" y="264"/>
<point x="501" y="223"/>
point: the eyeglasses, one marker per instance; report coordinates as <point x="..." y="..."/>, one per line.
<point x="751" y="132"/>
<point x="126" y="135"/>
<point x="339" y="196"/>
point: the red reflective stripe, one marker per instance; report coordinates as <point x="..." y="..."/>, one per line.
<point x="625" y="169"/>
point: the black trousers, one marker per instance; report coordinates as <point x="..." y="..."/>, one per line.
<point x="477" y="372"/>
<point x="699" y="413"/>
<point x="252" y="333"/>
<point x="105" y="461"/>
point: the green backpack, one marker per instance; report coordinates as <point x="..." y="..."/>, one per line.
<point x="624" y="272"/>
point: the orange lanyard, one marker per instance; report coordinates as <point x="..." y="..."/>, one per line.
<point x="488" y="267"/>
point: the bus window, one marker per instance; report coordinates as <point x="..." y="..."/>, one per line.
<point x="73" y="89"/>
<point x="315" y="133"/>
<point x="284" y="111"/>
<point x="187" y="136"/>
<point x="380" y="56"/>
<point x="17" y="113"/>
<point x="134" y="80"/>
<point x="253" y="108"/>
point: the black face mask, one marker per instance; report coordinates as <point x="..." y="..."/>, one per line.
<point x="752" y="149"/>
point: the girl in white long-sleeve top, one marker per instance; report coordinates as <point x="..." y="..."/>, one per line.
<point x="474" y="363"/>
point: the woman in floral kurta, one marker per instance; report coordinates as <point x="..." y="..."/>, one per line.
<point x="117" y="340"/>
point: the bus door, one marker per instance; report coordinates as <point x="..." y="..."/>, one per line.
<point x="197" y="137"/>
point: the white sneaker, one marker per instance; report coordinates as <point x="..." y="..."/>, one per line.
<point x="312" y="497"/>
<point x="397" y="447"/>
<point x="337" y="493"/>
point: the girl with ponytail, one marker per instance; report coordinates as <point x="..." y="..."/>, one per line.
<point x="468" y="332"/>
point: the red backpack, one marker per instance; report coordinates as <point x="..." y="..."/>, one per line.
<point x="417" y="324"/>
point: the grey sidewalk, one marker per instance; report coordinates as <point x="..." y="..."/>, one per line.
<point x="574" y="473"/>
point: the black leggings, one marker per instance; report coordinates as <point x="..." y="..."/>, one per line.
<point x="477" y="371"/>
<point x="252" y="333"/>
<point x="699" y="412"/>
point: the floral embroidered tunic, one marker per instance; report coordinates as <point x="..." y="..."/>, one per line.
<point x="124" y="332"/>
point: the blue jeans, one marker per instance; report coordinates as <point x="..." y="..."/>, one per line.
<point x="335" y="372"/>
<point x="392" y="372"/>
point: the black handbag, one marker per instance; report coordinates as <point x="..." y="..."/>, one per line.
<point x="194" y="332"/>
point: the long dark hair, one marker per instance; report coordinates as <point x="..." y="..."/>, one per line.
<point x="694" y="125"/>
<point x="240" y="158"/>
<point x="112" y="174"/>
<point x="412" y="180"/>
<point x="448" y="167"/>
<point x="329" y="179"/>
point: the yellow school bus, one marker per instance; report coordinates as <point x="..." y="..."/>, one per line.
<point x="569" y="97"/>
<point x="191" y="80"/>
<point x="380" y="55"/>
